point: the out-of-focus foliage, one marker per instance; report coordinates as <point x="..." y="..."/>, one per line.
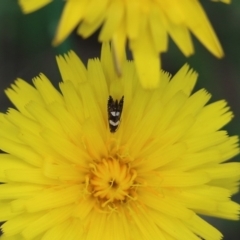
<point x="25" y="51"/>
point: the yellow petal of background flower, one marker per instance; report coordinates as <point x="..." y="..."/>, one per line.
<point x="133" y="16"/>
<point x="145" y="25"/>
<point x="95" y="8"/>
<point x="118" y="45"/>
<point x="72" y="14"/>
<point x="158" y="32"/>
<point x="224" y="1"/>
<point x="29" y="6"/>
<point x="148" y="72"/>
<point x="114" y="17"/>
<point x="200" y="26"/>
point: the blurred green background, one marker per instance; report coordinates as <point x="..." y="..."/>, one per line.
<point x="25" y="51"/>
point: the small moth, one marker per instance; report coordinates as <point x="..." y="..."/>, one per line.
<point x="114" y="113"/>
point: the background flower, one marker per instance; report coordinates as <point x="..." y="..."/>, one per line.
<point x="144" y="24"/>
<point x="24" y="53"/>
<point x="65" y="173"/>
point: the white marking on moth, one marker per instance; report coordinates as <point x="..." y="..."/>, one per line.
<point x="115" y="114"/>
<point x="114" y="123"/>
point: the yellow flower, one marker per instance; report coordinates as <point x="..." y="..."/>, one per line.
<point x="70" y="175"/>
<point x="144" y="24"/>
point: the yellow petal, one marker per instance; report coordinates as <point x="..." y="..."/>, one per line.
<point x="17" y="224"/>
<point x="182" y="37"/>
<point x="94" y="9"/>
<point x="73" y="13"/>
<point x="6" y="212"/>
<point x="21" y="151"/>
<point x="158" y="31"/>
<point x="204" y="229"/>
<point x="200" y="26"/>
<point x="166" y="224"/>
<point x="147" y="61"/>
<point x="115" y="14"/>
<point x="16" y="190"/>
<point x="133" y="15"/>
<point x="86" y="29"/>
<point x="29" y="6"/>
<point x="7" y="162"/>
<point x="46" y="221"/>
<point x="47" y="90"/>
<point x="71" y="68"/>
<point x="27" y="93"/>
<point x="224" y="1"/>
<point x="58" y="230"/>
<point x="28" y="176"/>
<point x="53" y="198"/>
<point x="118" y="46"/>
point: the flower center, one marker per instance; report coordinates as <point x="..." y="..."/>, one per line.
<point x="112" y="181"/>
